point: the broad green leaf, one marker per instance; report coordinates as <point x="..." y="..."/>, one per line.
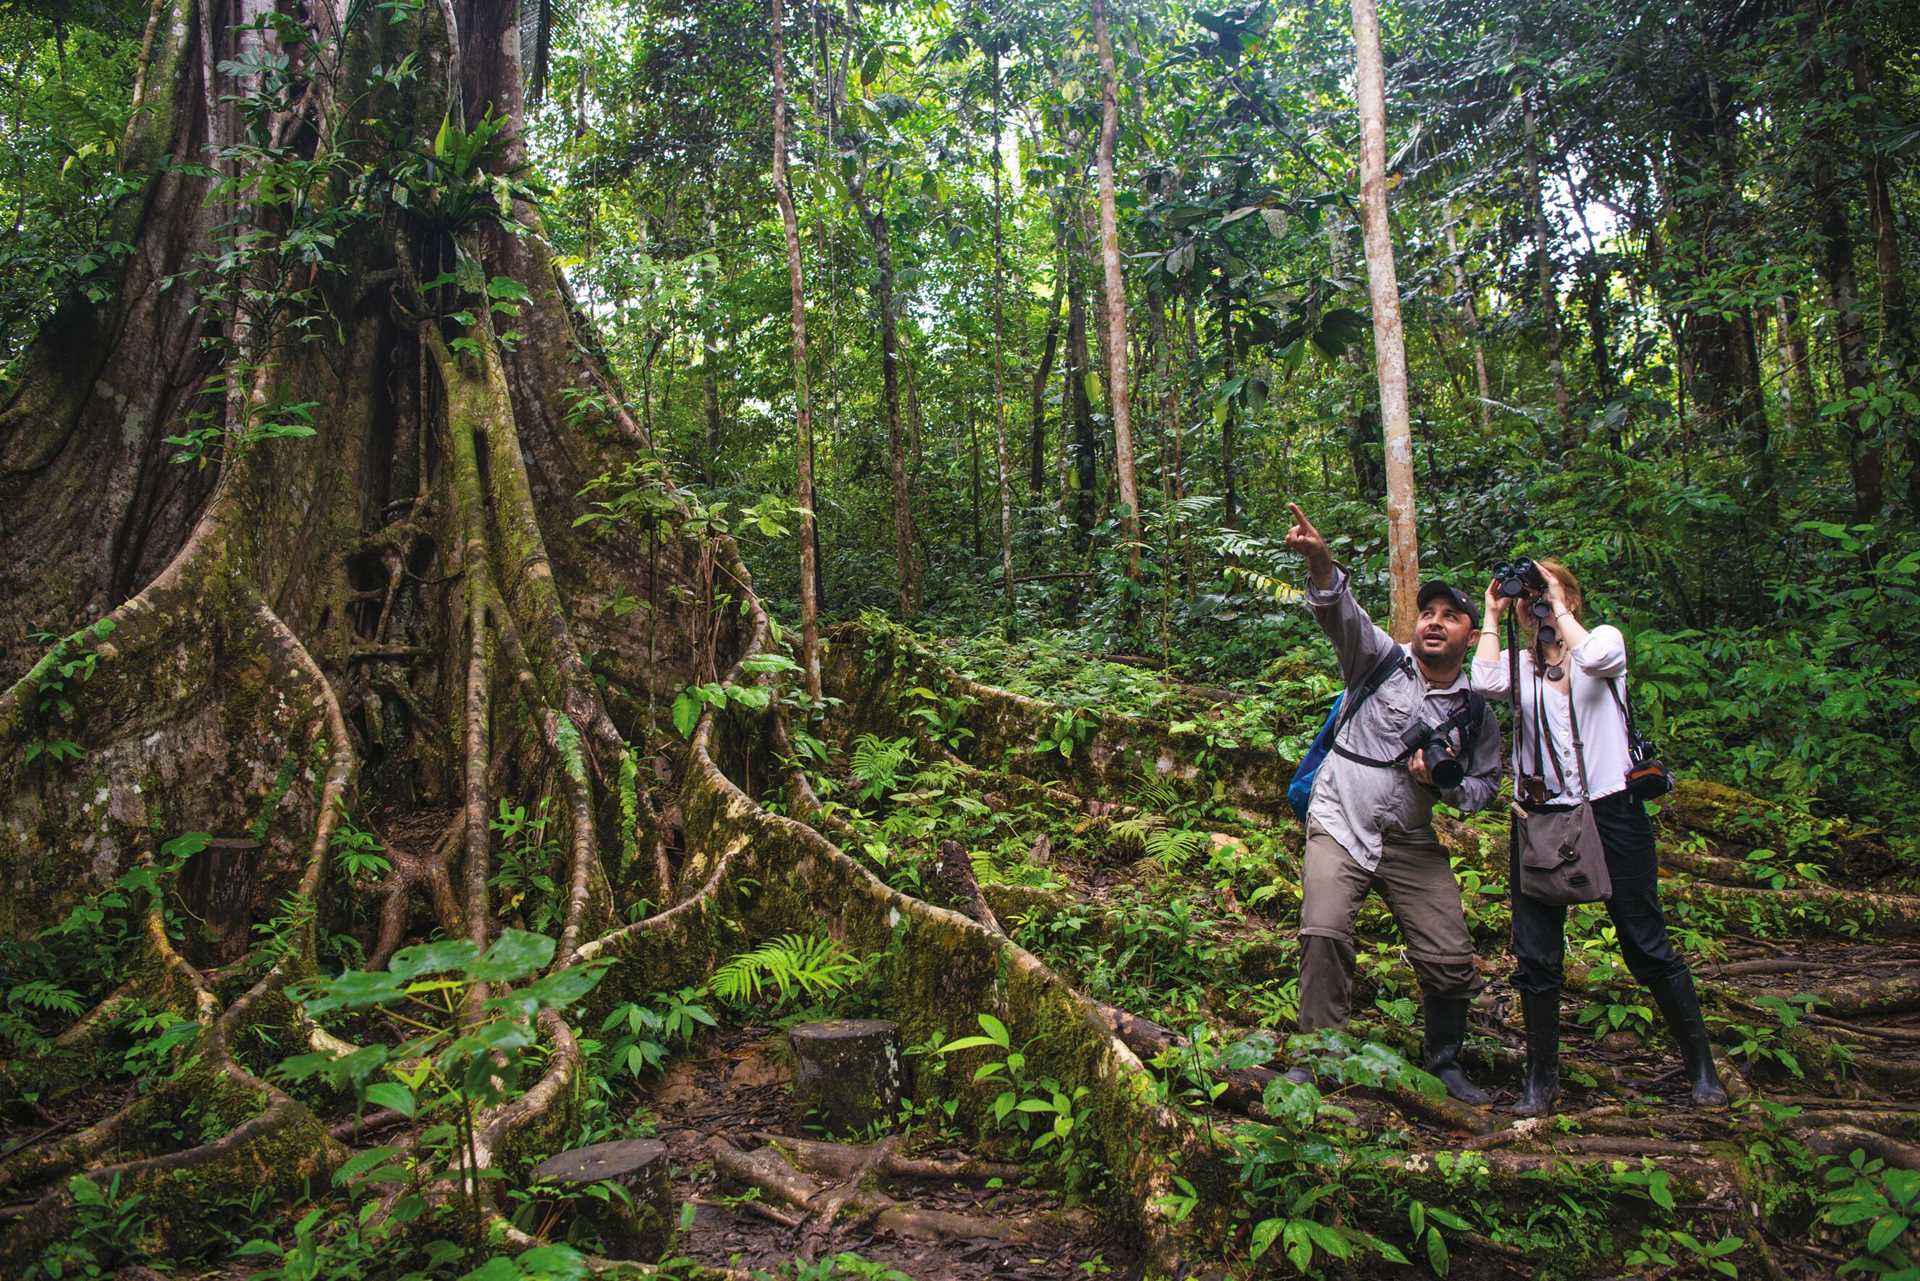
<point x="431" y="958"/>
<point x="513" y="956"/>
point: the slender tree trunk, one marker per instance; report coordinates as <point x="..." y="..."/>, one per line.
<point x="803" y="416"/>
<point x="1037" y="441"/>
<point x="710" y="375"/>
<point x="1549" y="296"/>
<point x="1230" y="498"/>
<point x="1080" y="453"/>
<point x="1120" y="395"/>
<point x="1797" y="391"/>
<point x="1390" y="356"/>
<point x="999" y="346"/>
<point x="1896" y="320"/>
<point x="1470" y="321"/>
<point x="1866" y="459"/>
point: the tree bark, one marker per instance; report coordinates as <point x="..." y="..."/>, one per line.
<point x="1896" y="320"/>
<point x="1037" y="440"/>
<point x="1001" y="461"/>
<point x="1080" y="451"/>
<point x="1230" y="496"/>
<point x="1119" y="395"/>
<point x="803" y="414"/>
<point x="1549" y="293"/>
<point x="1797" y="393"/>
<point x="1470" y="321"/>
<point x="1866" y="459"/>
<point x="1390" y="356"/>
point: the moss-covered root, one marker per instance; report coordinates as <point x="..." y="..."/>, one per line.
<point x="767" y="874"/>
<point x="267" y="1140"/>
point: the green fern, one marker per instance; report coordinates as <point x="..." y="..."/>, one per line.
<point x="1156" y="794"/>
<point x="1150" y="834"/>
<point x="1173" y="846"/>
<point x="815" y="965"/>
<point x="43" y="994"/>
<point x="878" y="764"/>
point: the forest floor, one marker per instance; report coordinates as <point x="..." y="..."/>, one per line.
<point x="1135" y="844"/>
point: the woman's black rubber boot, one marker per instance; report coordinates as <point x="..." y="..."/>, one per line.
<point x="1446" y="1030"/>
<point x="1541" y="1088"/>
<point x="1681" y="1005"/>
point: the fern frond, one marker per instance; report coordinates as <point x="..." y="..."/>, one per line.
<point x="43" y="994"/>
<point x="1175" y="845"/>
<point x="814" y="964"/>
<point x="878" y="763"/>
<point x="1156" y="794"/>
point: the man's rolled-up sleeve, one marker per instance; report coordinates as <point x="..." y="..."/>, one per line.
<point x="1357" y="640"/>
<point x="1482" y="783"/>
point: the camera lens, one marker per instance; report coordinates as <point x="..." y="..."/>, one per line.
<point x="1547" y="635"/>
<point x="1447" y="772"/>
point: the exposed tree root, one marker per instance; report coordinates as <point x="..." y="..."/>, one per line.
<point x="765" y="1168"/>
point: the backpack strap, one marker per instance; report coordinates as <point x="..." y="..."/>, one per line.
<point x="1395" y="660"/>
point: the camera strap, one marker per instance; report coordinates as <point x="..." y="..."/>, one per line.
<point x="1625" y="704"/>
<point x="1465" y="718"/>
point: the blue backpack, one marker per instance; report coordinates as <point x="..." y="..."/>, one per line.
<point x="1300" y="786"/>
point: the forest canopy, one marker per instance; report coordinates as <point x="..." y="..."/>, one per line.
<point x="553" y="551"/>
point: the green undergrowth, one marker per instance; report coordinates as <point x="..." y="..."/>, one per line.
<point x="1278" y="708"/>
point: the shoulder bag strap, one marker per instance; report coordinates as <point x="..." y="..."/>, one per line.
<point x="1543" y="748"/>
<point x="1573" y="723"/>
<point x="1513" y="698"/>
<point x="1624" y="704"/>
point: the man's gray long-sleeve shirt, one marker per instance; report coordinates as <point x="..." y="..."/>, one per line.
<point x="1360" y="805"/>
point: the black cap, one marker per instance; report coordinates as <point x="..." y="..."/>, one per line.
<point x="1463" y="602"/>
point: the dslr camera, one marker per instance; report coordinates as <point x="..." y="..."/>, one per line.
<point x="1443" y="762"/>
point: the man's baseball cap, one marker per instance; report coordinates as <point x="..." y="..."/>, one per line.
<point x="1436" y="589"/>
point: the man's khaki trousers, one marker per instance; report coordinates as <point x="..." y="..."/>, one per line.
<point x="1420" y="891"/>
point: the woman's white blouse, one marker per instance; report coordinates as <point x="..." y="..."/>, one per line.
<point x="1599" y="660"/>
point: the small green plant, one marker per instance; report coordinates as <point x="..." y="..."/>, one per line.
<point x="1678" y="1252"/>
<point x="357" y="851"/>
<point x="1864" y="1191"/>
<point x="156" y="1035"/>
<point x="813" y="965"/>
<point x="1069" y="730"/>
<point x="107" y="1226"/>
<point x="452" y="1067"/>
<point x="648" y="1033"/>
<point x="1041" y="1108"/>
<point x="27" y="1004"/>
<point x="1606" y="1015"/>
<point x="527" y="859"/>
<point x="1426" y="1221"/>
<point x="61" y="666"/>
<point x="1757" y="1044"/>
<point x="943" y="714"/>
<point x="879" y="763"/>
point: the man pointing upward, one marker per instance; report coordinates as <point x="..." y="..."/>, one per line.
<point x="1370" y="822"/>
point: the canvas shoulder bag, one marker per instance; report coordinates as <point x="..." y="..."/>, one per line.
<point x="1561" y="858"/>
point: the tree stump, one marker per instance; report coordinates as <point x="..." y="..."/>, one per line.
<point x="848" y="1073"/>
<point x="637" y="1226"/>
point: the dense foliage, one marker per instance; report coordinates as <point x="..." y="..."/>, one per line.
<point x="1654" y="267"/>
<point x="1655" y="263"/>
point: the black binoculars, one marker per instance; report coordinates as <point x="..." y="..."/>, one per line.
<point x="1518" y="577"/>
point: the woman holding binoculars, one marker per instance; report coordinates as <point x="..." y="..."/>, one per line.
<point x="1570" y="725"/>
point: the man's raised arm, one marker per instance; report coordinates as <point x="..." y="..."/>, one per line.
<point x="1357" y="641"/>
